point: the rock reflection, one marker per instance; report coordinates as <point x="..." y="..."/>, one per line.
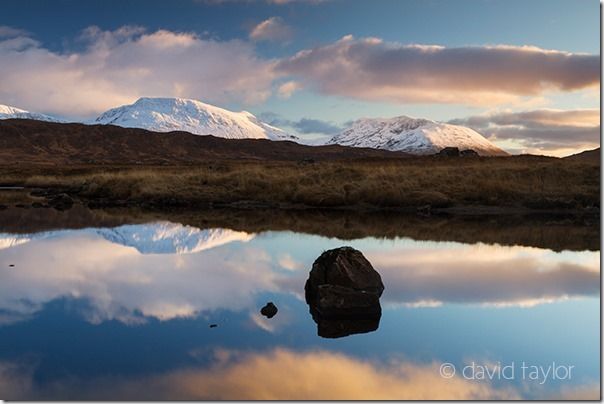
<point x="338" y="327"/>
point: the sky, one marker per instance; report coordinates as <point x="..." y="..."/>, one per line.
<point x="525" y="74"/>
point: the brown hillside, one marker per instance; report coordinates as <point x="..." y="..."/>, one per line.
<point x="29" y="141"/>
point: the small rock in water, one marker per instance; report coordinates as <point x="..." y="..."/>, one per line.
<point x="11" y="265"/>
<point x="213" y="325"/>
<point x="269" y="310"/>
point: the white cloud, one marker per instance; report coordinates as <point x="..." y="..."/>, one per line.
<point x="117" y="67"/>
<point x="542" y="131"/>
<point x="287" y="89"/>
<point x="371" y="69"/>
<point x="271" y="29"/>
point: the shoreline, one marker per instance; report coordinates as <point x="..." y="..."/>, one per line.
<point x="42" y="199"/>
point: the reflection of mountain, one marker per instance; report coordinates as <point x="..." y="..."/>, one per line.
<point x="153" y="238"/>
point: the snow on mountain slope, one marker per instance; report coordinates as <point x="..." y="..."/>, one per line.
<point x="178" y="114"/>
<point x="151" y="238"/>
<point x="8" y="112"/>
<point x="414" y="136"/>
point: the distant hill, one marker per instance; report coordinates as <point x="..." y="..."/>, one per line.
<point x="8" y="112"/>
<point x="414" y="136"/>
<point x="588" y="155"/>
<point x="32" y="141"/>
<point x="180" y="114"/>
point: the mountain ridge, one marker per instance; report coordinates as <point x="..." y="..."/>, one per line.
<point x="193" y="116"/>
<point x="10" y="112"/>
<point x="413" y="136"/>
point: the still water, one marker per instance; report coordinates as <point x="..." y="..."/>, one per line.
<point x="162" y="310"/>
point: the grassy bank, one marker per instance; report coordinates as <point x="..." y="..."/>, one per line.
<point x="517" y="182"/>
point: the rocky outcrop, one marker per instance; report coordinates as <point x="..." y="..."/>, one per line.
<point x="449" y="152"/>
<point x="468" y="153"/>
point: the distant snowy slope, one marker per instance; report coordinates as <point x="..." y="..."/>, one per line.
<point x="8" y="112"/>
<point x="415" y="136"/>
<point x="178" y="114"/>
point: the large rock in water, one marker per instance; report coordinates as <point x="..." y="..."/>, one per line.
<point x="343" y="292"/>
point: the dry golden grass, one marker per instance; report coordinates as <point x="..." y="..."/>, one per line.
<point x="540" y="183"/>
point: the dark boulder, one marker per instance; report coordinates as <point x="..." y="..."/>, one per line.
<point x="61" y="202"/>
<point x="468" y="153"/>
<point x="449" y="152"/>
<point x="343" y="292"/>
<point x="269" y="310"/>
<point x="345" y="267"/>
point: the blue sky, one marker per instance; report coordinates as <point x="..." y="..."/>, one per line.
<point x="269" y="32"/>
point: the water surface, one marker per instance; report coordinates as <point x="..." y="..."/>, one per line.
<point x="124" y="312"/>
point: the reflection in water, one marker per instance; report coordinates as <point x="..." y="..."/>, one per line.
<point x="155" y="238"/>
<point x="343" y="326"/>
<point x="164" y="283"/>
<point x="122" y="283"/>
<point x="276" y="375"/>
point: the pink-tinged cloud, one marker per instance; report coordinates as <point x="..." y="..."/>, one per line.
<point x="279" y="374"/>
<point x="543" y="131"/>
<point x="271" y="29"/>
<point x="117" y="67"/>
<point x="372" y="69"/>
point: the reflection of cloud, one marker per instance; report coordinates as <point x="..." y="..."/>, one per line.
<point x="287" y="262"/>
<point x="544" y="131"/>
<point x="372" y="69"/>
<point x="583" y="393"/>
<point x="281" y="374"/>
<point x="482" y="274"/>
<point x="285" y="375"/>
<point x="122" y="284"/>
<point x="430" y="274"/>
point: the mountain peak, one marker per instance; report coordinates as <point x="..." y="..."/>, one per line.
<point x="414" y="136"/>
<point x="194" y="116"/>
<point x="9" y="112"/>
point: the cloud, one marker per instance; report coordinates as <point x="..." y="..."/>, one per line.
<point x="371" y="69"/>
<point x="279" y="374"/>
<point x="543" y="131"/>
<point x="288" y="88"/>
<point x="117" y="67"/>
<point x="271" y="29"/>
<point x="304" y="125"/>
<point x="10" y="32"/>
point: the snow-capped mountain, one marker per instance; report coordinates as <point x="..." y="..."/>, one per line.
<point x="8" y="112"/>
<point x="178" y="114"/>
<point x="414" y="136"/>
<point x="151" y="238"/>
